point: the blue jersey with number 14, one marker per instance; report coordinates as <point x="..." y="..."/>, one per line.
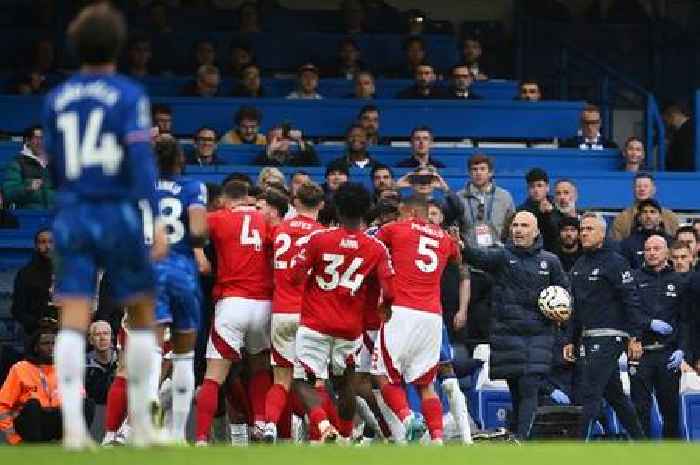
<point x="97" y="135"/>
<point x="175" y="195"/>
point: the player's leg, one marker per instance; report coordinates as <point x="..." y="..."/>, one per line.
<point x="117" y="405"/>
<point x="257" y="344"/>
<point x="343" y="367"/>
<point x="368" y="408"/>
<point x="284" y="328"/>
<point x="455" y="397"/>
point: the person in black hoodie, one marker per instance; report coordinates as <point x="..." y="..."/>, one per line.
<point x="541" y="204"/>
<point x="648" y="224"/>
<point x="31" y="298"/>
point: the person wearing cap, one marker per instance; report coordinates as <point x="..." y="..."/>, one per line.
<point x="568" y="248"/>
<point x="307" y="83"/>
<point x="648" y="224"/>
<point x="541" y="204"/>
<point x="644" y="187"/>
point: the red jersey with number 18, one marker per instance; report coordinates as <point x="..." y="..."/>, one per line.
<point x="420" y="251"/>
<point x="340" y="262"/>
<point x="241" y="238"/>
<point x="289" y="236"/>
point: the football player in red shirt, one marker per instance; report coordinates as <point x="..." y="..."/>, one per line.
<point x="288" y="238"/>
<point x="243" y="296"/>
<point x="408" y="348"/>
<point x="335" y="265"/>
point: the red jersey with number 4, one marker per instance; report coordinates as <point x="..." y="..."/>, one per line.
<point x="419" y="251"/>
<point x="241" y="238"/>
<point x="289" y="237"/>
<point x="336" y="264"/>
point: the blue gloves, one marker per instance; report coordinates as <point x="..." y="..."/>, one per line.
<point x="561" y="398"/>
<point x="675" y="360"/>
<point x="661" y="327"/>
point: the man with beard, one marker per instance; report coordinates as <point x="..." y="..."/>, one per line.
<point x="424" y="86"/>
<point x="569" y="248"/>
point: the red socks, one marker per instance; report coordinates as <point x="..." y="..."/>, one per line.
<point x="328" y="406"/>
<point x="117" y="399"/>
<point x="345" y="427"/>
<point x="275" y="403"/>
<point x="432" y="411"/>
<point x="258" y="385"/>
<point x="207" y="401"/>
<point x="395" y="397"/>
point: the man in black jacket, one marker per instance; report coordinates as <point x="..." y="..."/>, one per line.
<point x="521" y="337"/>
<point x="31" y="298"/>
<point x="424" y="87"/>
<point x="666" y="339"/>
<point x="606" y="314"/>
<point x="648" y="224"/>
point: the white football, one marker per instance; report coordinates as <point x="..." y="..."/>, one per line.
<point x="555" y="303"/>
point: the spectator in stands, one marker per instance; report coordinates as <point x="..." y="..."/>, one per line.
<point x="471" y="57"/>
<point x="29" y="401"/>
<point x="427" y="183"/>
<point x="679" y="156"/>
<point x="287" y="147"/>
<point x="565" y="197"/>
<point x="251" y="84"/>
<point x="568" y="247"/>
<point x="204" y="53"/>
<point x="101" y="364"/>
<point x="7" y="219"/>
<point x="424" y="87"/>
<point x="364" y="86"/>
<point x="589" y="137"/>
<point x="382" y="179"/>
<point x="643" y="188"/>
<point x="348" y="63"/>
<point x="633" y="154"/>
<point x="42" y="73"/>
<point x="247" y="131"/>
<point x="648" y="224"/>
<point x="204" y="153"/>
<point x="337" y="174"/>
<point x="26" y="182"/>
<point x="460" y="84"/>
<point x="299" y="178"/>
<point x="541" y="204"/>
<point x="33" y="286"/>
<point x="529" y="91"/>
<point x="696" y="227"/>
<point x="248" y="18"/>
<point x="487" y="207"/>
<point x="240" y="55"/>
<point x="354" y="17"/>
<point x="421" y="140"/>
<point x="307" y="83"/>
<point x="414" y="48"/>
<point x="687" y="235"/>
<point x="271" y="177"/>
<point x="368" y="118"/>
<point x="206" y="83"/>
<point x="139" y="55"/>
<point x="356" y="155"/>
<point x="163" y="118"/>
<point x="681" y="257"/>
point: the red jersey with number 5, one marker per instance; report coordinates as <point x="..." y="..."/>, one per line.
<point x="289" y="236"/>
<point x="419" y="251"/>
<point x="336" y="265"/>
<point x="241" y="238"/>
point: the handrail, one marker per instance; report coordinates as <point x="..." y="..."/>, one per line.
<point x="652" y="116"/>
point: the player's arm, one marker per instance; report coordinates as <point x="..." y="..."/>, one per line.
<point x="460" y="318"/>
<point x="197" y="214"/>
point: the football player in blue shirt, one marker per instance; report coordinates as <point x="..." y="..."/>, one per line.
<point x="97" y="134"/>
<point x="182" y="207"/>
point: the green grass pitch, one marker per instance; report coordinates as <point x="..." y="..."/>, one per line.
<point x="617" y="453"/>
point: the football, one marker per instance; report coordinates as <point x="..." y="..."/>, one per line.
<point x="555" y="303"/>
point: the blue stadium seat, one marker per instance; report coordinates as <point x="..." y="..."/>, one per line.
<point x="690" y="416"/>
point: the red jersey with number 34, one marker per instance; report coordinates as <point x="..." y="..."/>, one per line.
<point x="288" y="238"/>
<point x="336" y="265"/>
<point x="241" y="238"/>
<point x="420" y="251"/>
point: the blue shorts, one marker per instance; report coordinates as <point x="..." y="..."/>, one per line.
<point x="178" y="296"/>
<point x="101" y="235"/>
<point x="446" y="354"/>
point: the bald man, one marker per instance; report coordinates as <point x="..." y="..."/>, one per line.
<point x="607" y="319"/>
<point x="665" y="309"/>
<point x="521" y="337"/>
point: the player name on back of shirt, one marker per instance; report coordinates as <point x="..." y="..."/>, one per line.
<point x="429" y="230"/>
<point x="349" y="243"/>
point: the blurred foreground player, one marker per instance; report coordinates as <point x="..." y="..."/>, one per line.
<point x="97" y="133"/>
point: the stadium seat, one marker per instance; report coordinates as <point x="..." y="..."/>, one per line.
<point x="490" y="401"/>
<point x="690" y="406"/>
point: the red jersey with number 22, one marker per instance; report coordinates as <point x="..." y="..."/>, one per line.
<point x="420" y="251"/>
<point x="289" y="236"/>
<point x="241" y="238"/>
<point x="340" y="262"/>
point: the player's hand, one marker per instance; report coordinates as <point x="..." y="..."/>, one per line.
<point x="404" y="181"/>
<point x="568" y="353"/>
<point x="460" y="319"/>
<point x="159" y="249"/>
<point x="34" y="185"/>
<point x="384" y="312"/>
<point x="439" y="182"/>
<point x="546" y="206"/>
<point x="685" y="368"/>
<point x="203" y="265"/>
<point x="634" y="349"/>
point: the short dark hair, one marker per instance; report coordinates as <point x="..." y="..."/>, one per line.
<point x="380" y="167"/>
<point x="412" y="39"/>
<point x="251" y="113"/>
<point x="277" y="199"/>
<point x="675" y="245"/>
<point x="422" y="128"/>
<point x="536" y="174"/>
<point x="632" y="139"/>
<point x="206" y="128"/>
<point x="235" y="176"/>
<point x="98" y="34"/>
<point x="339" y="165"/>
<point x="643" y="175"/>
<point x="352" y="201"/>
<point x="367" y="109"/>
<point x="310" y="195"/>
<point x="168" y="156"/>
<point x="161" y="108"/>
<point x="686" y="229"/>
<point x="29" y="132"/>
<point x="528" y="81"/>
<point x="479" y="158"/>
<point x="235" y="190"/>
<point x="39" y="232"/>
<point x="349" y="40"/>
<point x="589" y="107"/>
<point x="354" y="126"/>
<point x="417" y="203"/>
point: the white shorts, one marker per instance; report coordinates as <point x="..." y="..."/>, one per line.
<point x="239" y="324"/>
<point x="284" y="336"/>
<point x="315" y="351"/>
<point x="369" y="339"/>
<point x="408" y="346"/>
